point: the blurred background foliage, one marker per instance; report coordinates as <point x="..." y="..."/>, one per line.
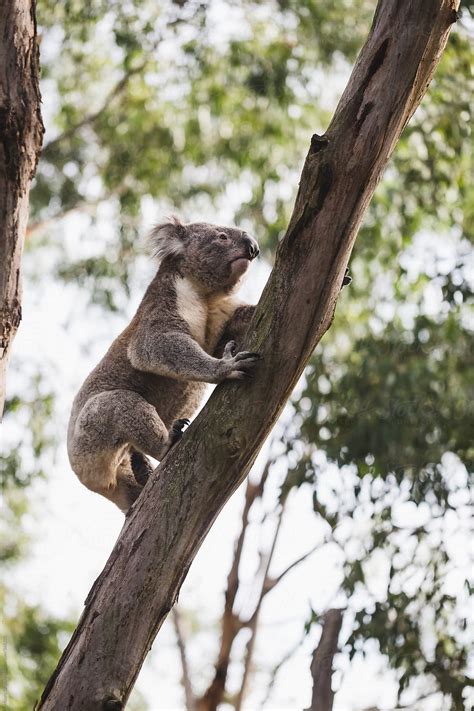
<point x="208" y="108"/>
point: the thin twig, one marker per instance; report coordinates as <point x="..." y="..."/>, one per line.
<point x="186" y="676"/>
<point x="231" y="623"/>
<point x="86" y="206"/>
<point x="272" y="582"/>
<point x="253" y="623"/>
<point x="91" y="118"/>
<point x="276" y="669"/>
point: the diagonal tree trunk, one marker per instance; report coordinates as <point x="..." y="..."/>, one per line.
<point x="142" y="578"/>
<point x="21" y="135"/>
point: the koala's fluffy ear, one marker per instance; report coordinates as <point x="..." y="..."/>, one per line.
<point x="167" y="239"/>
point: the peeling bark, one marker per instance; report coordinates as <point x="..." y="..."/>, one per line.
<point x="21" y="135"/>
<point x="137" y="588"/>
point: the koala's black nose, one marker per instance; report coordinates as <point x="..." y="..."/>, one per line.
<point x="252" y="247"/>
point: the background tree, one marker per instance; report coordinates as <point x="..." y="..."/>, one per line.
<point x="146" y="136"/>
<point x="21" y="133"/>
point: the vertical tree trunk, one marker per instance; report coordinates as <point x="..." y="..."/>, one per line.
<point x="321" y="666"/>
<point x="21" y="135"/>
<point x="139" y="585"/>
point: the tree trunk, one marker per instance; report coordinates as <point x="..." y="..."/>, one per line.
<point x="142" y="578"/>
<point x="321" y="666"/>
<point x="21" y="135"/>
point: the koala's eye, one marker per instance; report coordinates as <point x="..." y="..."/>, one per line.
<point x="223" y="236"/>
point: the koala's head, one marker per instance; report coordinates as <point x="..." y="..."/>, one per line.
<point x="213" y="256"/>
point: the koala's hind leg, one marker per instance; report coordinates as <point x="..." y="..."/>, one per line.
<point x="141" y="467"/>
<point x="110" y="428"/>
<point x="126" y="489"/>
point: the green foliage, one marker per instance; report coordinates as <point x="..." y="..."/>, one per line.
<point x="32" y="642"/>
<point x="192" y="128"/>
<point x="397" y="403"/>
<point x="21" y="462"/>
<point x="395" y="624"/>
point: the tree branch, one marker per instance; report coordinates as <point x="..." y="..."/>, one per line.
<point x="86" y="206"/>
<point x="91" y="118"/>
<point x="272" y="582"/>
<point x="253" y="622"/>
<point x="142" y="578"/>
<point x="231" y="624"/>
<point x="186" y="677"/>
<point x="321" y="665"/>
<point x="276" y="669"/>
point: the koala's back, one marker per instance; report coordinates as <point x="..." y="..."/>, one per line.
<point x="172" y="398"/>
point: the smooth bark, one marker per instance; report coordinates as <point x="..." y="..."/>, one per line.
<point x="21" y="135"/>
<point x="142" y="578"/>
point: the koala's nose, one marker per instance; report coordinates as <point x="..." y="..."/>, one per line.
<point x="252" y="247"/>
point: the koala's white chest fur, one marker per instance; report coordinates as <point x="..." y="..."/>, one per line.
<point x="192" y="308"/>
<point x="205" y="316"/>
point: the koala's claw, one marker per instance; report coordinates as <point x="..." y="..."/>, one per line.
<point x="177" y="430"/>
<point x="247" y="355"/>
<point x="240" y="367"/>
<point x="230" y="350"/>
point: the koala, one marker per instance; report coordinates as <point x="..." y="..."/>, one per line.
<point x="140" y="396"/>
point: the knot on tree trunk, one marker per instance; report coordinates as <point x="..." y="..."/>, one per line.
<point x="112" y="703"/>
<point x="318" y="142"/>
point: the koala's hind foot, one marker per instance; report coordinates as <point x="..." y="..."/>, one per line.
<point x="115" y="482"/>
<point x="125" y="492"/>
<point x="141" y="467"/>
<point x="176" y="432"/>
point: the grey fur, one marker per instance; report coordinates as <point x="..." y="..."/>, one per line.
<point x="163" y="240"/>
<point x="181" y="337"/>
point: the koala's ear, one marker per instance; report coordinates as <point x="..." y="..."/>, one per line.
<point x="167" y="239"/>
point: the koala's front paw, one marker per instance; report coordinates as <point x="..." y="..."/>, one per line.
<point x="238" y="366"/>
